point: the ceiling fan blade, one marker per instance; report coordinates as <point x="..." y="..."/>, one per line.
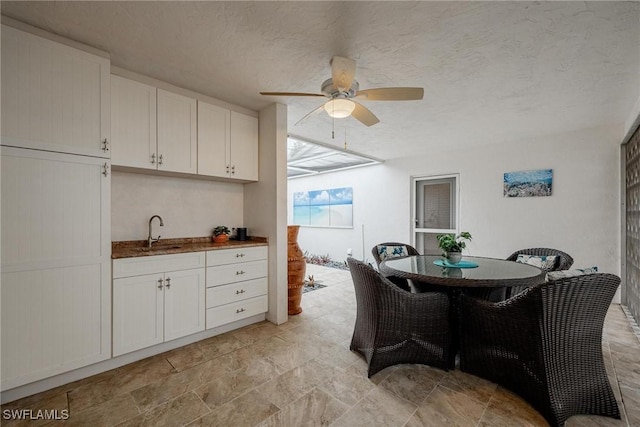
<point x="290" y="94"/>
<point x="391" y="94"/>
<point x="317" y="110"/>
<point x="364" y="115"/>
<point x="342" y="72"/>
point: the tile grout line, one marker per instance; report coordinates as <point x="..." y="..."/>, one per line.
<point x="636" y="332"/>
<point x="484" y="411"/>
<point x="423" y="400"/>
<point x="623" y="410"/>
<point x="632" y="322"/>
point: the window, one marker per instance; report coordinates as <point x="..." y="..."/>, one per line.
<point x="435" y="207"/>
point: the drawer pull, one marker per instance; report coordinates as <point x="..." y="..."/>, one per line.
<point x="168" y="282"/>
<point x="240" y="255"/>
<point x="241" y="291"/>
<point x="239" y="272"/>
<point x="240" y="311"/>
<point x="159" y="283"/>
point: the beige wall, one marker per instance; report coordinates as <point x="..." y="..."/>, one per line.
<point x="189" y="207"/>
<point x="266" y="204"/>
<point x="582" y="217"/>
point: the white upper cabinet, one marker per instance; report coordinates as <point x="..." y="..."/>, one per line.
<point x="133" y="123"/>
<point x="227" y="143"/>
<point x="54" y="97"/>
<point x="177" y="142"/>
<point x="152" y="128"/>
<point x="213" y="140"/>
<point x="244" y="147"/>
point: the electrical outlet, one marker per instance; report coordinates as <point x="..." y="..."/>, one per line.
<point x="349" y="252"/>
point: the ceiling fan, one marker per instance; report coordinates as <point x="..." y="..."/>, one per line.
<point x="342" y="90"/>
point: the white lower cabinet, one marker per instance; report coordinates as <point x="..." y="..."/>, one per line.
<point x="236" y="284"/>
<point x="152" y="305"/>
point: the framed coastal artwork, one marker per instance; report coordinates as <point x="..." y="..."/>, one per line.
<point x="332" y="207"/>
<point x="533" y="183"/>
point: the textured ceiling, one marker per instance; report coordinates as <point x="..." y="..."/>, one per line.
<point x="492" y="71"/>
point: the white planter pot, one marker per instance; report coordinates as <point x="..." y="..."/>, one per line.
<point x="454" y="257"/>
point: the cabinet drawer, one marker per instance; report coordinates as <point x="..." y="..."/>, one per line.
<point x="221" y="295"/>
<point x="225" y="274"/>
<point x="236" y="311"/>
<point x="231" y="256"/>
<point x="127" y="267"/>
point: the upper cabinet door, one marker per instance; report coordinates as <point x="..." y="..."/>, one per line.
<point x="133" y="123"/>
<point x="177" y="142"/>
<point x="54" y="97"/>
<point x="244" y="147"/>
<point x="213" y="140"/>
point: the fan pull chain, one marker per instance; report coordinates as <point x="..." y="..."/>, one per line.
<point x="345" y="135"/>
<point x="333" y="126"/>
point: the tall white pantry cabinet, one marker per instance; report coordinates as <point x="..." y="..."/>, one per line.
<point x="55" y="208"/>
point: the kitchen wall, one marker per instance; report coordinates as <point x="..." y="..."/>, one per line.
<point x="189" y="207"/>
<point x="582" y="217"/>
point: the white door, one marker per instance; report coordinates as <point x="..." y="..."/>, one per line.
<point x="133" y="124"/>
<point x="56" y="266"/>
<point x="138" y="312"/>
<point x="213" y="140"/>
<point x="435" y="210"/>
<point x="184" y="304"/>
<point x="244" y="147"/>
<point x="177" y="142"/>
<point x="54" y="97"/>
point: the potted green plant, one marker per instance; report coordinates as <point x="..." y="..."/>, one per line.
<point x="221" y="234"/>
<point x="452" y="245"/>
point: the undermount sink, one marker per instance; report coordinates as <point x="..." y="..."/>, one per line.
<point x="163" y="247"/>
<point x="158" y="248"/>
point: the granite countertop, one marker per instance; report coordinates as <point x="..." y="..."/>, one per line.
<point x="138" y="248"/>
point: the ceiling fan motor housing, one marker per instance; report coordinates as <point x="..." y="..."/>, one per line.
<point x="333" y="92"/>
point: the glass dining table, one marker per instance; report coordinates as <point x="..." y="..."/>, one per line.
<point x="487" y="273"/>
<point x="484" y="278"/>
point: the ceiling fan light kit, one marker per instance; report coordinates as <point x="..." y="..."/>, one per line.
<point x="341" y="88"/>
<point x="339" y="108"/>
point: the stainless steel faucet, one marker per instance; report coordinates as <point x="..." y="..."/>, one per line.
<point x="151" y="239"/>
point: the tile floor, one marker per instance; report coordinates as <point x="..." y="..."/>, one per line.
<point x="303" y="374"/>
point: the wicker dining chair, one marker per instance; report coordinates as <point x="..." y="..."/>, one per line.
<point x="376" y="252"/>
<point x="394" y="326"/>
<point x="563" y="262"/>
<point x="545" y="344"/>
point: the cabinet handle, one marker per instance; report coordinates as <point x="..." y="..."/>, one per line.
<point x="240" y="255"/>
<point x="233" y="170"/>
<point x="240" y="311"/>
<point x="239" y="272"/>
<point x="241" y="291"/>
<point x="105" y="169"/>
<point x="153" y="159"/>
<point x="168" y="282"/>
<point x="159" y="283"/>
<point x="227" y="168"/>
<point x="160" y="159"/>
<point x="105" y="145"/>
